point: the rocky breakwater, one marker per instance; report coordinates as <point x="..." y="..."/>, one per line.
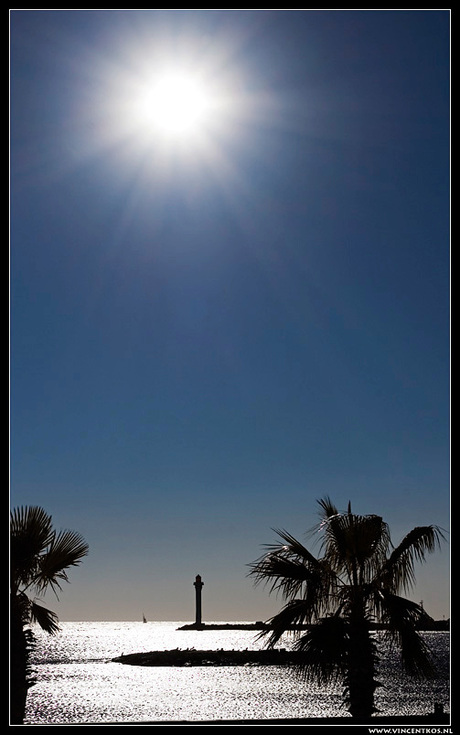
<point x="192" y="657"/>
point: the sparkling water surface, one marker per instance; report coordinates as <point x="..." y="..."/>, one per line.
<point x="78" y="682"/>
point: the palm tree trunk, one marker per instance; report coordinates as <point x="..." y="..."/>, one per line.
<point x="360" y="682"/>
<point x="21" y="642"/>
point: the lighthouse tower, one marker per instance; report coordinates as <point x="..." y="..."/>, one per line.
<point x="198" y="584"/>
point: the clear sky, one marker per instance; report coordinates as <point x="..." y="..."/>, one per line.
<point x="218" y="318"/>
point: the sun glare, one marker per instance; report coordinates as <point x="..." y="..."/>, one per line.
<point x="175" y="105"/>
<point x="155" y="109"/>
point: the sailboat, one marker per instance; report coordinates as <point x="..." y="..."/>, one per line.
<point x="144" y="619"/>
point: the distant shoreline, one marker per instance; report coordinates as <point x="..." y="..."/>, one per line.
<point x="434" y="625"/>
<point x="259" y="625"/>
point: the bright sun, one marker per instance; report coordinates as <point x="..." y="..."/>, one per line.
<point x="176" y="105"/>
<point x="158" y="108"/>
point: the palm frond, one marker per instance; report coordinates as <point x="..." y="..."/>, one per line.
<point x="394" y="611"/>
<point x="324" y="651"/>
<point x="67" y="548"/>
<point x="403" y="619"/>
<point x="31" y="532"/>
<point x="294" y="613"/>
<point x="290" y="570"/>
<point x="416" y="654"/>
<point x="33" y="522"/>
<point x="328" y="509"/>
<point x="293" y="547"/>
<point x="355" y="545"/>
<point x="46" y="619"/>
<point x="282" y="575"/>
<point x="398" y="572"/>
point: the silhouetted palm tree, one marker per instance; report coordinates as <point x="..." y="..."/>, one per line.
<point x="39" y="558"/>
<point x="340" y="596"/>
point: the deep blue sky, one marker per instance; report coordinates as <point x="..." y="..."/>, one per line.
<point x="204" y="342"/>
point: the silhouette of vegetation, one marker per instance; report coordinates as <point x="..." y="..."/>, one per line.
<point x="343" y="594"/>
<point x="39" y="557"/>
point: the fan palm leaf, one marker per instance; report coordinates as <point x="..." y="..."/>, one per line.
<point x="324" y="652"/>
<point x="292" y="571"/>
<point x="66" y="549"/>
<point x="46" y="619"/>
<point x="403" y="619"/>
<point x="398" y="572"/>
<point x="31" y="533"/>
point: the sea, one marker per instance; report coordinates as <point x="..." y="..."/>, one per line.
<point x="78" y="682"/>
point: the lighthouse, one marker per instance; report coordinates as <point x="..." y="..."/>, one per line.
<point x="198" y="584"/>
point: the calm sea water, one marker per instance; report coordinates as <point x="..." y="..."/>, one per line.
<point x="77" y="681"/>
